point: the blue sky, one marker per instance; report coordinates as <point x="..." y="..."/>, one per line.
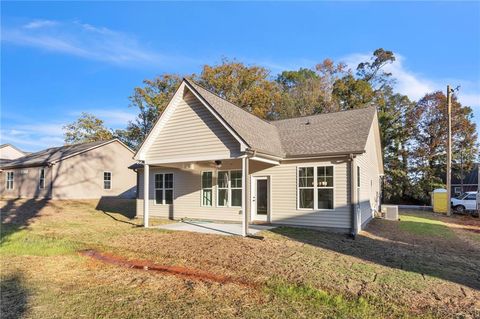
<point x="59" y="59"/>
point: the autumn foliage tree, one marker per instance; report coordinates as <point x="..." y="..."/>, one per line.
<point x="87" y="128"/>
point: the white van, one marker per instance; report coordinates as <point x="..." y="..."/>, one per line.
<point x="465" y="202"/>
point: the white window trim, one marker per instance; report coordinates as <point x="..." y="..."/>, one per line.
<point x="40" y="185"/>
<point x="163" y="189"/>
<point x="315" y="188"/>
<point x="7" y="180"/>
<point x="229" y="187"/>
<point x="111" y="181"/>
<point x="211" y="188"/>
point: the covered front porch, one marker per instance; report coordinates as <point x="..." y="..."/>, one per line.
<point x="210" y="189"/>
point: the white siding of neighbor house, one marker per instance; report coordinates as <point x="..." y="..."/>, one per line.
<point x="9" y="152"/>
<point x="369" y="199"/>
<point x="192" y="131"/>
<point x="187" y="196"/>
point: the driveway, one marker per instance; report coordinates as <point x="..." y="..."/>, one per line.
<point x="227" y="229"/>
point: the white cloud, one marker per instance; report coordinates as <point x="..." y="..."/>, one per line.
<point x="89" y="42"/>
<point x="416" y="85"/>
<point x="36" y="24"/>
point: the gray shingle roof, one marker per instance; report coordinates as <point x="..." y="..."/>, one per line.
<point x="51" y="155"/>
<point x="330" y="133"/>
<point x="257" y="133"/>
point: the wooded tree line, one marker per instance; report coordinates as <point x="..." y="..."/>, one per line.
<point x="413" y="132"/>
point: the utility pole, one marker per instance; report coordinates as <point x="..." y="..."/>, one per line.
<point x="449" y="151"/>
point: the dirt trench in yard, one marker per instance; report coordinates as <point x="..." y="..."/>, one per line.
<point x="178" y="271"/>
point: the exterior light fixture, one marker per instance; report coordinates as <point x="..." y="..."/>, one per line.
<point x="218" y="164"/>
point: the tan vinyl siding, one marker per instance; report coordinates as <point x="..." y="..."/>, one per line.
<point x="369" y="178"/>
<point x="81" y="176"/>
<point x="26" y="183"/>
<point x="192" y="131"/>
<point x="187" y="196"/>
<point x="284" y="196"/>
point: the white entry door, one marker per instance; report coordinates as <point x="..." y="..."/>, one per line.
<point x="260" y="198"/>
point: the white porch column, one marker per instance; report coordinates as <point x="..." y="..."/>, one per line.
<point x="146" y="191"/>
<point x="244" y="196"/>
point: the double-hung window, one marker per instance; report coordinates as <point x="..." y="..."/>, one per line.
<point x="306" y="187"/>
<point x="229" y="188"/>
<point x="107" y="180"/>
<point x="164" y="188"/>
<point x="222" y="188"/>
<point x="325" y="187"/>
<point x="316" y="187"/>
<point x="41" y="178"/>
<point x="9" y="180"/>
<point x="236" y="188"/>
<point x="207" y="192"/>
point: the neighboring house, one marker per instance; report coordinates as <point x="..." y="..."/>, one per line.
<point x="206" y="158"/>
<point x="469" y="182"/>
<point x="10" y="152"/>
<point x="79" y="171"/>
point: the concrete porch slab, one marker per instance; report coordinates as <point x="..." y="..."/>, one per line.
<point x="227" y="229"/>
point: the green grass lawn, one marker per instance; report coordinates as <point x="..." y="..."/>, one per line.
<point x="391" y="271"/>
<point x="425" y="226"/>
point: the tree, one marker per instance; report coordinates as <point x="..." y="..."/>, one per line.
<point x="150" y="100"/>
<point x="431" y="138"/>
<point x="87" y="128"/>
<point x="246" y="86"/>
<point x="308" y="91"/>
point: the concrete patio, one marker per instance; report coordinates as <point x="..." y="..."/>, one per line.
<point x="206" y="227"/>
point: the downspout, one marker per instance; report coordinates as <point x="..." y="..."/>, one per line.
<point x="353" y="208"/>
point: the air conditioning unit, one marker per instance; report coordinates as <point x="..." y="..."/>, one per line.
<point x="391" y="212"/>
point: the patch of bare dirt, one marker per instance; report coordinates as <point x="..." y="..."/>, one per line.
<point x="173" y="270"/>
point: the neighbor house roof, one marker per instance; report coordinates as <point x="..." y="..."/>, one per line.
<point x="323" y="134"/>
<point x="14" y="147"/>
<point x="54" y="154"/>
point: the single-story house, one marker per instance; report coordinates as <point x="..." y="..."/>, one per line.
<point x="467" y="183"/>
<point x="10" y="152"/>
<point x="79" y="171"/>
<point x="206" y="158"/>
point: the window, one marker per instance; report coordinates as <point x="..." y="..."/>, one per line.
<point x="107" y="180"/>
<point x="222" y="188"/>
<point x="207" y="184"/>
<point x="164" y="189"/>
<point x="41" y="182"/>
<point x="229" y="189"/>
<point x="325" y="187"/>
<point x="305" y="187"/>
<point x="316" y="187"/>
<point x="9" y="180"/>
<point x="358" y="176"/>
<point x="236" y="187"/>
<point x="471" y="197"/>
